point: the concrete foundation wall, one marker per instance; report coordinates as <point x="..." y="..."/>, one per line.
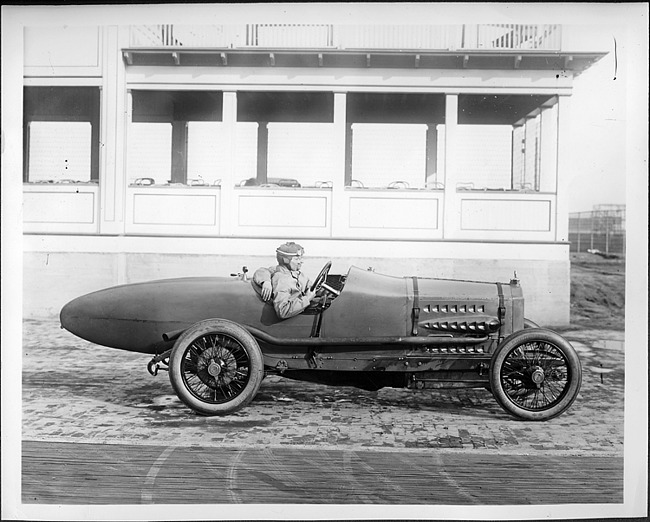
<point x="53" y="278"/>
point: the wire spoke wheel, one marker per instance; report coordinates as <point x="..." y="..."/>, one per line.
<point x="216" y="367"/>
<point x="535" y="374"/>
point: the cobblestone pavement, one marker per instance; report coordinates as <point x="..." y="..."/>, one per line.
<point x="77" y="391"/>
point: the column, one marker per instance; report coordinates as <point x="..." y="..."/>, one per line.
<point x="530" y="151"/>
<point x="432" y="153"/>
<point x="451" y="204"/>
<point x="179" y="151"/>
<point x="339" y="210"/>
<point x="519" y="156"/>
<point x="228" y="204"/>
<point x="549" y="148"/>
<point x="116" y="112"/>
<point x="262" y="152"/>
<point x="563" y="169"/>
<point x="348" y="154"/>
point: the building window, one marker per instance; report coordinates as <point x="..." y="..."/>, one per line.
<point x="305" y="152"/>
<point x="176" y="137"/>
<point x="149" y="152"/>
<point x="294" y="138"/>
<point x="208" y="156"/>
<point x="506" y="142"/>
<point x="393" y="140"/>
<point x="61" y="134"/>
<point x="484" y="156"/>
<point x="389" y="154"/>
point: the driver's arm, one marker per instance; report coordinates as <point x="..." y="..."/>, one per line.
<point x="307" y="288"/>
<point x="262" y="278"/>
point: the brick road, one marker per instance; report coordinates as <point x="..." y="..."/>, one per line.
<point x="76" y="391"/>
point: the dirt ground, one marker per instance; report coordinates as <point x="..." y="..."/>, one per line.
<point x="597" y="292"/>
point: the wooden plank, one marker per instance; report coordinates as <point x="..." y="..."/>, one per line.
<point x="68" y="473"/>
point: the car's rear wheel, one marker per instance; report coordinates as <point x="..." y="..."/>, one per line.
<point x="535" y="374"/>
<point x="216" y="367"/>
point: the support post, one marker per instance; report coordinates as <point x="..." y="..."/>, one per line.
<point x="179" y="151"/>
<point x="339" y="208"/>
<point x="548" y="148"/>
<point x="116" y="110"/>
<point x="262" y="152"/>
<point x="451" y="204"/>
<point x="348" y="154"/>
<point x="564" y="166"/>
<point x="228" y="202"/>
<point x="432" y="153"/>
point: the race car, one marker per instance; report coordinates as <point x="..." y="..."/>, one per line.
<point x="218" y="338"/>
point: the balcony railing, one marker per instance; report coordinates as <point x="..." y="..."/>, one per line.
<point x="543" y="37"/>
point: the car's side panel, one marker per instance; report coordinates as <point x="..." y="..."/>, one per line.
<point x="460" y="307"/>
<point x="371" y="305"/>
<point x="375" y="305"/>
<point x="134" y="317"/>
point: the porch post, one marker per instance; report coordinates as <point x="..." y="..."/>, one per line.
<point x="262" y="152"/>
<point x="115" y="114"/>
<point x="339" y="210"/>
<point x="563" y="169"/>
<point x="548" y="137"/>
<point x="228" y="204"/>
<point x="432" y="153"/>
<point x="451" y="204"/>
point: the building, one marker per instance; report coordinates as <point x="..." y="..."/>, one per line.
<point x="154" y="151"/>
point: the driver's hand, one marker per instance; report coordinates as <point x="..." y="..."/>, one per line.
<point x="267" y="290"/>
<point x="309" y="294"/>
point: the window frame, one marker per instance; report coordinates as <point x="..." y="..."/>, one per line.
<point x="37" y="109"/>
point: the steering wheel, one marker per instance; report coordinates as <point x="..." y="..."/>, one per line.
<point x="321" y="277"/>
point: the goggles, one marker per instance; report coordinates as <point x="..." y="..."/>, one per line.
<point x="290" y="250"/>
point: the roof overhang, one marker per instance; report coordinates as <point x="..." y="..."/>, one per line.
<point x="361" y="58"/>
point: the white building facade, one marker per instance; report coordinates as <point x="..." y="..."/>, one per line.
<point x="154" y="151"/>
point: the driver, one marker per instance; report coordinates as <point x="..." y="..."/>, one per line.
<point x="288" y="285"/>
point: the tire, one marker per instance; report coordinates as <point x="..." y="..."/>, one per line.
<point x="535" y="374"/>
<point x="216" y="367"/>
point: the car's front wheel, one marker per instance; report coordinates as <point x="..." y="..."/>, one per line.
<point x="535" y="374"/>
<point x="216" y="367"/>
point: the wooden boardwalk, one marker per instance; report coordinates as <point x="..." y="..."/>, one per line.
<point x="74" y="473"/>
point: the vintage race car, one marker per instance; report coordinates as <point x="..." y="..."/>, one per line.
<point x="218" y="339"/>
